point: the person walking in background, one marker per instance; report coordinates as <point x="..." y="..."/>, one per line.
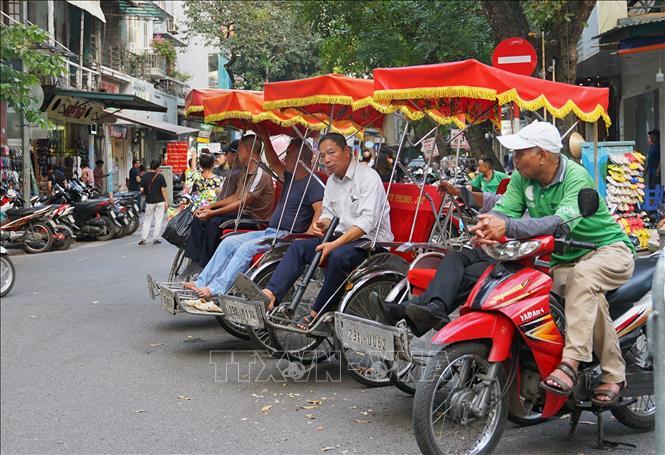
<point x="653" y="159"/>
<point x="99" y="175"/>
<point x="134" y="180"/>
<point x="153" y="186"/>
<point x="86" y="173"/>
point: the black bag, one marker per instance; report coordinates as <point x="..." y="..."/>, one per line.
<point x="177" y="230"/>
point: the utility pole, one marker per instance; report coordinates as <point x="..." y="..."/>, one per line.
<point x="25" y="139"/>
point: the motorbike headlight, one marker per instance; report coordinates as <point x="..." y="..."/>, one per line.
<point x="512" y="250"/>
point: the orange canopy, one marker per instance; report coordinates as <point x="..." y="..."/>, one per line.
<point x="243" y="109"/>
<point x="470" y="87"/>
<point x="347" y="99"/>
<point x="195" y="97"/>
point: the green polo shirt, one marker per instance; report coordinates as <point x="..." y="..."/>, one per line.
<point x="491" y="185"/>
<point x="560" y="199"/>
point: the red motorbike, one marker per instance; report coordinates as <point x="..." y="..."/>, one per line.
<point x="509" y="337"/>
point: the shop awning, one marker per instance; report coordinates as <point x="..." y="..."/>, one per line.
<point x="91" y="6"/>
<point x="143" y="9"/>
<point x="169" y="128"/>
<point x="112" y="100"/>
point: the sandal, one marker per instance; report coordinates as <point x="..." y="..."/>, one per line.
<point x="562" y="388"/>
<point x="611" y="394"/>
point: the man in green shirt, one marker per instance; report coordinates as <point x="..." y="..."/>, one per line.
<point x="487" y="179"/>
<point x="546" y="185"/>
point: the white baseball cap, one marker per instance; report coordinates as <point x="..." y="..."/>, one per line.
<point x="537" y="134"/>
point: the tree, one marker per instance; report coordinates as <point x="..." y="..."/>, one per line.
<point x="25" y="44"/>
<point x="263" y="40"/>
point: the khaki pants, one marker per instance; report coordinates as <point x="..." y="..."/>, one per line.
<point x="588" y="322"/>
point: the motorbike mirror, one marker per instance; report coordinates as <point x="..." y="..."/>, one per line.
<point x="588" y="202"/>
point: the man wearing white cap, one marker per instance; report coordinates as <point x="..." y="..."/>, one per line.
<point x="546" y="185"/>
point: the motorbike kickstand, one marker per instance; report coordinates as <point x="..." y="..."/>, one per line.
<point x="574" y="421"/>
<point x="605" y="444"/>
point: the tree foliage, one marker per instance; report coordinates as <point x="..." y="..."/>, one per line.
<point x="263" y="40"/>
<point x="23" y="43"/>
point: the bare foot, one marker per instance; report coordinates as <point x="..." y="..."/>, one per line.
<point x="307" y="320"/>
<point x="272" y="298"/>
<point x="562" y="376"/>
<point x="204" y="293"/>
<point x="190" y="285"/>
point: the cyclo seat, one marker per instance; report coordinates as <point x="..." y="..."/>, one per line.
<point x="638" y="285"/>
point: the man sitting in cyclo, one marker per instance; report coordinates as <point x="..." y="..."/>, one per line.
<point x="546" y="184"/>
<point x="354" y="194"/>
<point x="235" y="253"/>
<point x="456" y="275"/>
<point x="255" y="192"/>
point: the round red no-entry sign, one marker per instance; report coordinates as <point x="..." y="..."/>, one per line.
<point x="516" y="55"/>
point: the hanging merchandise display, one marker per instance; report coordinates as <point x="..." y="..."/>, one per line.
<point x="11" y="166"/>
<point x="625" y="194"/>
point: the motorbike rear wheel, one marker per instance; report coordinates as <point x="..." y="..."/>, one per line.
<point x="454" y="380"/>
<point x="66" y="243"/>
<point x="109" y="229"/>
<point x="45" y="235"/>
<point x="133" y="224"/>
<point x="7" y="275"/>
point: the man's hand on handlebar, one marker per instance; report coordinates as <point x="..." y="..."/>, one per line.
<point x="446" y="187"/>
<point x="489" y="230"/>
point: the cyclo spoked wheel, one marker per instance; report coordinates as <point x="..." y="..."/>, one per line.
<point x="180" y="262"/>
<point x="366" y="369"/>
<point x="406" y="375"/>
<point x="443" y="416"/>
<point x="283" y="343"/>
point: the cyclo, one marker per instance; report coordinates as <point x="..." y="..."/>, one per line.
<point x="242" y="110"/>
<point x="380" y="272"/>
<point x="509" y="336"/>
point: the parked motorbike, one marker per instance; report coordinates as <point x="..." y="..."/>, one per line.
<point x="7" y="273"/>
<point x="28" y="227"/>
<point x="510" y="336"/>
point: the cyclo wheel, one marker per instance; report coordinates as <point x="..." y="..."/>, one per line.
<point x="443" y="419"/>
<point x="361" y="367"/>
<point x="282" y="343"/>
<point x="180" y="262"/>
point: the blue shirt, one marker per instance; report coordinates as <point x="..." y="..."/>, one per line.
<point x="303" y="218"/>
<point x="653" y="158"/>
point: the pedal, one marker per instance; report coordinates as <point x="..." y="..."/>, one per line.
<point x="249" y="289"/>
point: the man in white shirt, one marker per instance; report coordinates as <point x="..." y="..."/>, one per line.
<point x="354" y="194"/>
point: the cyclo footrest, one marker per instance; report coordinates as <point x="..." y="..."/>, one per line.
<point x="373" y="338"/>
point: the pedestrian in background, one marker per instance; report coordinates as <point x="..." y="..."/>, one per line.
<point x="99" y="175"/>
<point x="220" y="169"/>
<point x="653" y="159"/>
<point x="86" y="174"/>
<point x="134" y="180"/>
<point x="153" y="186"/>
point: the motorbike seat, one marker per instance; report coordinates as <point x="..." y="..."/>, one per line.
<point x="420" y="278"/>
<point x="638" y="285"/>
<point x="86" y="204"/>
<point x="21" y="212"/>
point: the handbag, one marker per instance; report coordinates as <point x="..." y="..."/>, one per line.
<point x="177" y="230"/>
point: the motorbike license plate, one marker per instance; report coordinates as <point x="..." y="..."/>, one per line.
<point x="367" y="339"/>
<point x="112" y="213"/>
<point x="243" y="312"/>
<point x="136" y="207"/>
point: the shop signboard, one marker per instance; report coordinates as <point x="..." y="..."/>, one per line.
<point x="176" y="156"/>
<point x="118" y="131"/>
<point x="74" y="110"/>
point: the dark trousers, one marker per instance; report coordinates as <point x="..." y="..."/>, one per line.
<point x="340" y="263"/>
<point x="204" y="237"/>
<point x="456" y="275"/>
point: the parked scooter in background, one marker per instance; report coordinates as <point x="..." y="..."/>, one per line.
<point x="7" y="273"/>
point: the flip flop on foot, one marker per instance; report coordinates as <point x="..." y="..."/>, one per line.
<point x="204" y="305"/>
<point x="559" y="386"/>
<point x="608" y="392"/>
<point x="304" y="322"/>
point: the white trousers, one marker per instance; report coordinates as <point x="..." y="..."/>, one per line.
<point x="156" y="212"/>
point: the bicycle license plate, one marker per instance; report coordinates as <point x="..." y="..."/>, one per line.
<point x="243" y="312"/>
<point x="366" y="338"/>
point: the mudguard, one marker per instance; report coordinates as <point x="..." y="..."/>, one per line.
<point x="480" y="326"/>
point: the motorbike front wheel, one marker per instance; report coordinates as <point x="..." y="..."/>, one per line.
<point x="133" y="224"/>
<point x="109" y="229"/>
<point x="7" y="275"/>
<point x="449" y="415"/>
<point x="41" y="238"/>
<point x="66" y="242"/>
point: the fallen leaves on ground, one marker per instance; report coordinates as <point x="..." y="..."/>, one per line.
<point x="360" y="421"/>
<point x="326" y="449"/>
<point x="266" y="408"/>
<point x="310" y="416"/>
<point x="183" y="397"/>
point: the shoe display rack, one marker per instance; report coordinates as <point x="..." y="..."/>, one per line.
<point x="625" y="194"/>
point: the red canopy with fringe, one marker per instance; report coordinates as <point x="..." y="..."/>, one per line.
<point x="471" y="88"/>
<point x="195" y="97"/>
